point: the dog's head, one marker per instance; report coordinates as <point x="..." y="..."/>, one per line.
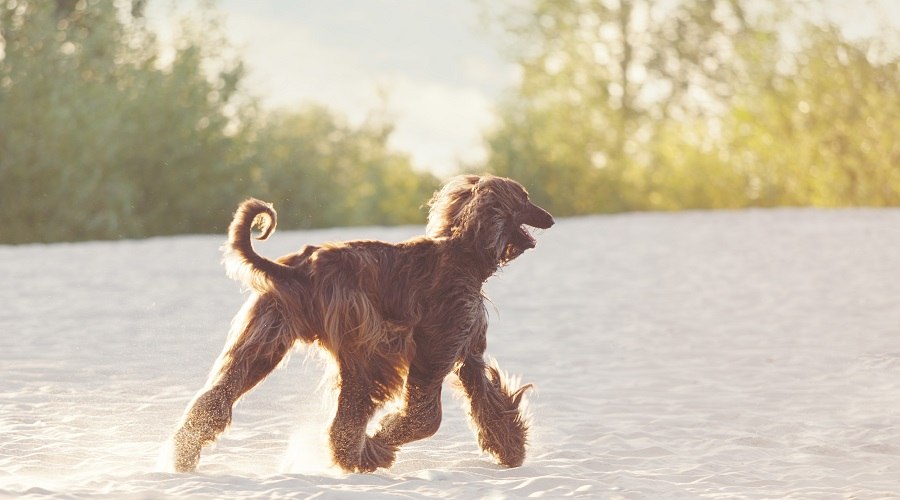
<point x="491" y="213"/>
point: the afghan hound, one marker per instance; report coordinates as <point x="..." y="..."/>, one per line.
<point x="396" y="318"/>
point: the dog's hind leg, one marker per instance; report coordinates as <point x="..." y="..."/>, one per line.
<point x="494" y="411"/>
<point x="348" y="429"/>
<point x="418" y="419"/>
<point x="253" y="354"/>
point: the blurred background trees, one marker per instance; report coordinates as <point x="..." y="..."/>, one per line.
<point x="640" y="104"/>
<point x="323" y="172"/>
<point x="603" y="85"/>
<point x="103" y="135"/>
<point x="621" y="105"/>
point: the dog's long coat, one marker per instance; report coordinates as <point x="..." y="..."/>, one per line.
<point x="397" y="319"/>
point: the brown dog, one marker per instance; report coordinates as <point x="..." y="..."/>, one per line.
<point x="397" y="319"/>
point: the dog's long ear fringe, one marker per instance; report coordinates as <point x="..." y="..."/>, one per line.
<point x="241" y="261"/>
<point x="446" y="205"/>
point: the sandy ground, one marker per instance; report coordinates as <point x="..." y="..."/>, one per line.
<point x="750" y="354"/>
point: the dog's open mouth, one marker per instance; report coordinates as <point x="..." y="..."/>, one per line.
<point x="524" y="239"/>
<point x="520" y="241"/>
<point x="521" y="238"/>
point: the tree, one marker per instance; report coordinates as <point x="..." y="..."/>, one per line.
<point x="103" y="135"/>
<point x="633" y="105"/>
<point x="98" y="138"/>
<point x="600" y="80"/>
<point x="324" y="172"/>
<point x="821" y="131"/>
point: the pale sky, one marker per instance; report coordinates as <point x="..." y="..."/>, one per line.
<point x="439" y="68"/>
<point x="430" y="64"/>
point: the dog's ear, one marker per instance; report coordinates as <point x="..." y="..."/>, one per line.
<point x="469" y="208"/>
<point x="483" y="223"/>
<point x="447" y="204"/>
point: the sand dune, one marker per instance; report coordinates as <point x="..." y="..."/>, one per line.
<point x="751" y="354"/>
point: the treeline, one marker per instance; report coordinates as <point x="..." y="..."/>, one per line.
<point x="646" y="105"/>
<point x="103" y="135"/>
<point x="629" y="105"/>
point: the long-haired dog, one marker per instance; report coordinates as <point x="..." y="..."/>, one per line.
<point x="397" y="319"/>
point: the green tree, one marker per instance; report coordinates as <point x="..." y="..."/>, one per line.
<point x="635" y="105"/>
<point x="821" y="129"/>
<point x="103" y="134"/>
<point x="324" y="172"/>
<point x="600" y="82"/>
<point x="98" y="139"/>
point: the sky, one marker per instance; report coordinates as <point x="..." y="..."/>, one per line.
<point x="433" y="66"/>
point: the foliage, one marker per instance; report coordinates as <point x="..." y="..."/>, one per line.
<point x="638" y="105"/>
<point x="823" y="131"/>
<point x="325" y="173"/>
<point x="622" y="105"/>
<point x="104" y="135"/>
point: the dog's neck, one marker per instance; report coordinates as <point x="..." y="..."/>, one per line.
<point x="468" y="261"/>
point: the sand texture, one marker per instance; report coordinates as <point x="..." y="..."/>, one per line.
<point x="750" y="354"/>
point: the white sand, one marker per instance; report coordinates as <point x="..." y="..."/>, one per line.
<point x="733" y="354"/>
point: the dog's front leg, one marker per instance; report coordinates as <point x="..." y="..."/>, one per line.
<point x="494" y="411"/>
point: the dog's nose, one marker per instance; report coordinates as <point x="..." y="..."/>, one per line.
<point x="539" y="218"/>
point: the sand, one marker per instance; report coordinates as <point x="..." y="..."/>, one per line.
<point x="750" y="354"/>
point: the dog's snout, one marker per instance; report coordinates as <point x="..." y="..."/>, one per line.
<point x="539" y="218"/>
<point x="550" y="220"/>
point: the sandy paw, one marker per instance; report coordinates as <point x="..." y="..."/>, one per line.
<point x="376" y="453"/>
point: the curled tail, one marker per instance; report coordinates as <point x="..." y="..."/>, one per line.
<point x="241" y="262"/>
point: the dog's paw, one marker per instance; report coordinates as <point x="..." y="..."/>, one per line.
<point x="186" y="451"/>
<point x="376" y="453"/>
<point x="511" y="453"/>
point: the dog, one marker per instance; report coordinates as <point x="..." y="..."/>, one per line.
<point x="396" y="319"/>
